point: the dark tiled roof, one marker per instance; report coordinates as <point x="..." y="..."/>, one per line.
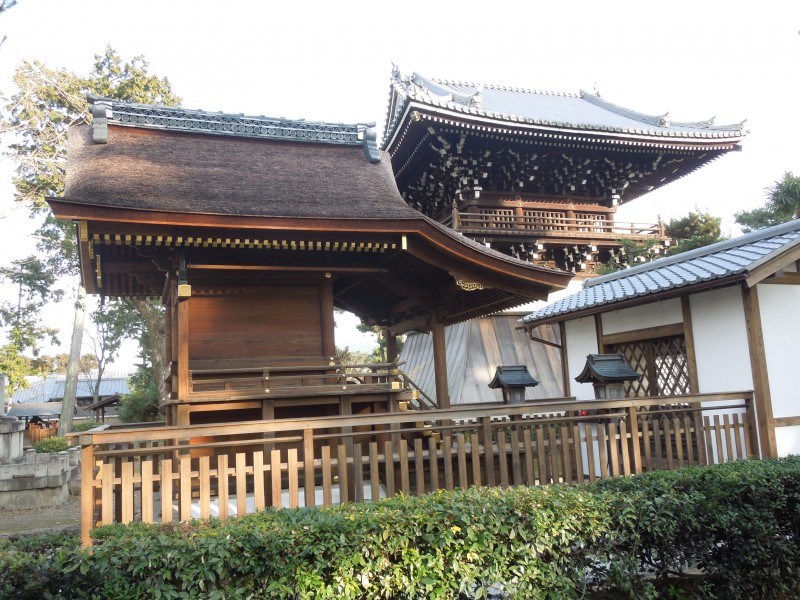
<point x="606" y="368"/>
<point x="583" y="111"/>
<point x="710" y="264"/>
<point x="35" y="409"/>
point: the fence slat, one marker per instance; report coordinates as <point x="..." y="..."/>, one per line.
<point x="516" y="462"/>
<point x="419" y="467"/>
<point x="566" y="460"/>
<point x="127" y="491"/>
<point x="502" y="456"/>
<point x="433" y="455"/>
<point x="448" y="461"/>
<point x="527" y="451"/>
<point x="185" y="487"/>
<point x="679" y="437"/>
<point x="602" y="450"/>
<point x="488" y="450"/>
<point x="327" y="476"/>
<point x="388" y="454"/>
<point x="204" y="475"/>
<point x="309" y="481"/>
<point x="240" y="462"/>
<point x="259" y="496"/>
<point x="624" y="447"/>
<point x="405" y="484"/>
<point x="358" y="473"/>
<point x="374" y="472"/>
<point x="147" y="489"/>
<point x="589" y="430"/>
<point x="729" y="444"/>
<point x="275" y="468"/>
<point x="541" y="454"/>
<point x="717" y="424"/>
<point x="553" y="451"/>
<point x="223" y="492"/>
<point x="107" y="497"/>
<point x="294" y="477"/>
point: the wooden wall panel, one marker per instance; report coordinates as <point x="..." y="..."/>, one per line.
<point x="275" y="321"/>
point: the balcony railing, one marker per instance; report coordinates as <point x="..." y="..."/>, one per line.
<point x="553" y="225"/>
<point x="162" y="474"/>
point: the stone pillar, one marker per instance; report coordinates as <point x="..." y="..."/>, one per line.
<point x="11" y="432"/>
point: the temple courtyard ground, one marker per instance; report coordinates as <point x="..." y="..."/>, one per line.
<point x="65" y="517"/>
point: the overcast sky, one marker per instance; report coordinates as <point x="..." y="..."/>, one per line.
<point x="331" y="61"/>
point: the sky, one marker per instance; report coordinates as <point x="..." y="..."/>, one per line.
<point x="331" y="61"/>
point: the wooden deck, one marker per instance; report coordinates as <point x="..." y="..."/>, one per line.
<point x="161" y="474"/>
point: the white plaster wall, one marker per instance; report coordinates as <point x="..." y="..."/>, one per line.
<point x="780" y="322"/>
<point x="581" y="340"/>
<point x="788" y="440"/>
<point x="653" y="314"/>
<point x="720" y="341"/>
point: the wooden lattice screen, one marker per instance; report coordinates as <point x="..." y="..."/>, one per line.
<point x="662" y="363"/>
<point x="543" y="219"/>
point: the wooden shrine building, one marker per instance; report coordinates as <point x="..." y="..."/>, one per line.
<point x="538" y="175"/>
<point x="252" y="230"/>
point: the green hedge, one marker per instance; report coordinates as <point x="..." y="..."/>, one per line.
<point x="51" y="444"/>
<point x="736" y="526"/>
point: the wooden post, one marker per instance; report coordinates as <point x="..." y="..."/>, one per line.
<point x="562" y="330"/>
<point x="87" y="494"/>
<point x="762" y="401"/>
<point x="326" y="316"/>
<point x="440" y="364"/>
<point x="391" y="345"/>
<point x="183" y="349"/>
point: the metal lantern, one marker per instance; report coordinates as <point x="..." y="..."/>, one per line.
<point x="513" y="380"/>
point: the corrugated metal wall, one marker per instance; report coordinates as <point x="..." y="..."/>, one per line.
<point x="475" y="349"/>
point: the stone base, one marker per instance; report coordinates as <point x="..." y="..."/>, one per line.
<point x="45" y="497"/>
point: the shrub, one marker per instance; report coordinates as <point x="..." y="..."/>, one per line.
<point x="52" y="444"/>
<point x="85" y="425"/>
<point x="736" y="523"/>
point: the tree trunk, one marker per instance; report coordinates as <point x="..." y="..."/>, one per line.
<point x="152" y="316"/>
<point x="71" y="383"/>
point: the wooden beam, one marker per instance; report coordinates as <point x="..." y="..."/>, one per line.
<point x="421" y="323"/>
<point x="783" y="278"/>
<point x="688" y="336"/>
<point x="647" y="333"/>
<point x="787" y="421"/>
<point x="758" y="365"/>
<point x="760" y="273"/>
<point x="598" y="328"/>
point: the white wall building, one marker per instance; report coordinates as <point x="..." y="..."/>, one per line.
<point x="723" y="318"/>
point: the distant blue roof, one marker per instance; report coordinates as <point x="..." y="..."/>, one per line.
<point x="53" y="388"/>
<point x="735" y="258"/>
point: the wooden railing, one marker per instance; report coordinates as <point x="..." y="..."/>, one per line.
<point x="553" y="226"/>
<point x="172" y="473"/>
<point x="286" y="377"/>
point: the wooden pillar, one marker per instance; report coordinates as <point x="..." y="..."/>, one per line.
<point x="762" y="402"/>
<point x="688" y="336"/>
<point x="326" y="317"/>
<point x="391" y="345"/>
<point x="183" y="348"/>
<point x="598" y="327"/>
<point x="562" y="330"/>
<point x="440" y="363"/>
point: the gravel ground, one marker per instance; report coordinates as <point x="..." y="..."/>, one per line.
<point x="67" y="517"/>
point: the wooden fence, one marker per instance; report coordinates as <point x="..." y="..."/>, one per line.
<point x="161" y="474"/>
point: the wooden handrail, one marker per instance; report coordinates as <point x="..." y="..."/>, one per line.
<point x="557" y="224"/>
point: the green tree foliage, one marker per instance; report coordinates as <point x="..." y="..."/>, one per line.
<point x="695" y="230"/>
<point x="21" y="319"/>
<point x="782" y="204"/>
<point x="34" y="123"/>
<point x="378" y="354"/>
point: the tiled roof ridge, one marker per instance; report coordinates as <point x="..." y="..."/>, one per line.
<point x="655" y="120"/>
<point x="748" y="238"/>
<point x="154" y="116"/>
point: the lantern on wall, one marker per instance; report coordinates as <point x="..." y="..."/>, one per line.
<point x="513" y="380"/>
<point x="608" y="374"/>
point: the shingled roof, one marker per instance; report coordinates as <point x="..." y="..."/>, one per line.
<point x="719" y="264"/>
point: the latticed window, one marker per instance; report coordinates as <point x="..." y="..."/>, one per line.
<point x="662" y="362"/>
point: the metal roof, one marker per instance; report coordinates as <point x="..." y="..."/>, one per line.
<point x="52" y="387"/>
<point x="35" y="409"/>
<point x="585" y="110"/>
<point x="709" y="265"/>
